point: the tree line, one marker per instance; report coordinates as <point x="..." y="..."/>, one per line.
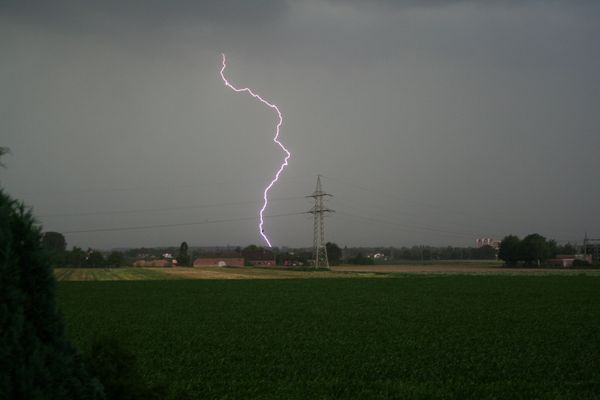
<point x="77" y="257"/>
<point x="532" y="250"/>
<point x="56" y="249"/>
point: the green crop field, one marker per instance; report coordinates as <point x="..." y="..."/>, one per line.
<point x="444" y="337"/>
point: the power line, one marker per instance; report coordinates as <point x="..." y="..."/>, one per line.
<point x="206" y="222"/>
<point x="143" y="210"/>
<point x="358" y="208"/>
<point x="490" y="219"/>
<point x="404" y="227"/>
<point x="416" y="203"/>
<point x="157" y="188"/>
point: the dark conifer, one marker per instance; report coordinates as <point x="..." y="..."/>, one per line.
<point x="36" y="360"/>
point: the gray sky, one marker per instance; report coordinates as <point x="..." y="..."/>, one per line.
<point x="433" y="122"/>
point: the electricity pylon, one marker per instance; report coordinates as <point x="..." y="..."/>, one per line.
<point x="318" y="211"/>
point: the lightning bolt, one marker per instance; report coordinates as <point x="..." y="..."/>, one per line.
<point x="275" y="139"/>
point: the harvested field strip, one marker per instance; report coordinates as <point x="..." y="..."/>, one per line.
<point x="111" y="274"/>
<point x="344" y="271"/>
<point x="115" y="274"/>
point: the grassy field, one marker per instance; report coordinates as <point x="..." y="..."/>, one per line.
<point x="415" y="336"/>
<point x="141" y="274"/>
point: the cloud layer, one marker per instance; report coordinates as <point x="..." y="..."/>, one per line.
<point x="445" y="120"/>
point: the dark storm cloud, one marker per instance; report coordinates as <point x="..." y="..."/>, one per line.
<point x="150" y="14"/>
<point x="465" y="117"/>
<point x="443" y="3"/>
<point x="83" y="15"/>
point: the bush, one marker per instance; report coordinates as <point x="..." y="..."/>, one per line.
<point x="581" y="263"/>
<point x="117" y="369"/>
<point x="359" y="259"/>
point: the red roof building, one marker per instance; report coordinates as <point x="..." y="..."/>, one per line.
<point x="260" y="257"/>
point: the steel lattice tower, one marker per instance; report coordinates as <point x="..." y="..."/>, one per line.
<point x="318" y="211"/>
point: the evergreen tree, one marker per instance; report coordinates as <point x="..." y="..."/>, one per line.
<point x="183" y="258"/>
<point x="334" y="253"/>
<point x="36" y="360"/>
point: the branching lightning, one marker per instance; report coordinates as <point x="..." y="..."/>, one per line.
<point x="275" y="139"/>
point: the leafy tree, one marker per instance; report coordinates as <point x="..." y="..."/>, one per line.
<point x="183" y="259"/>
<point x="534" y="249"/>
<point x="510" y="250"/>
<point x="552" y="249"/>
<point x="75" y="257"/>
<point x="426" y="253"/>
<point x="485" y="252"/>
<point x="94" y="259"/>
<point x="115" y="259"/>
<point x="251" y="249"/>
<point x="54" y="242"/>
<point x="567" y="249"/>
<point x="37" y="361"/>
<point x="334" y="253"/>
<point x="56" y="247"/>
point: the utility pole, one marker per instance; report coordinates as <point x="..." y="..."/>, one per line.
<point x="318" y="211"/>
<point x="593" y="245"/>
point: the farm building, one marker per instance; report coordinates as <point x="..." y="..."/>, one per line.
<point x="568" y="260"/>
<point x="218" y="262"/>
<point x="260" y="257"/>
<point x="153" y="263"/>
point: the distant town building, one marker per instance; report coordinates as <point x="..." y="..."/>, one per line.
<point x="218" y="262"/>
<point x="487" y="242"/>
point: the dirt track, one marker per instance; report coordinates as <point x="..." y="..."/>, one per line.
<point x="255" y="273"/>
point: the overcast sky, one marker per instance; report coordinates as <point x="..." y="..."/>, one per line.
<point x="433" y="122"/>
